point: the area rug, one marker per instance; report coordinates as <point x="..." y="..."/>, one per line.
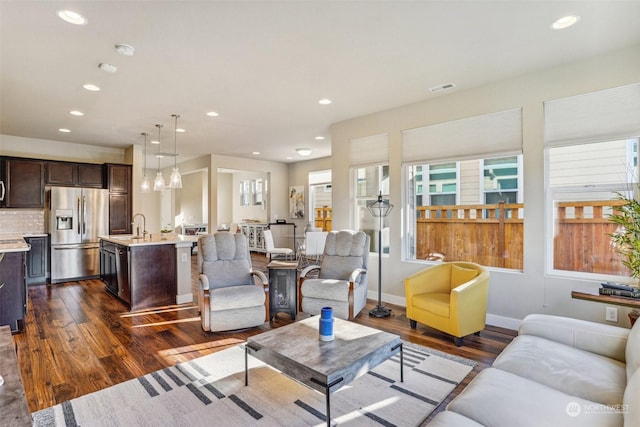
<point x="210" y="391"/>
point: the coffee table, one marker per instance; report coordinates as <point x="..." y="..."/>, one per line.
<point x="297" y="352"/>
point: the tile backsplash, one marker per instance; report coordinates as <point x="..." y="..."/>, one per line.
<point x="21" y="221"/>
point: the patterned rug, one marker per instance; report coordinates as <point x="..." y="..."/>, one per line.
<point x="210" y="391"/>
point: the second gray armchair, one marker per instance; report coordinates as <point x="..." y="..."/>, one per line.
<point x="341" y="281"/>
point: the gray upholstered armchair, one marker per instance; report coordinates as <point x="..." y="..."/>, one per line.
<point x="342" y="277"/>
<point x="229" y="298"/>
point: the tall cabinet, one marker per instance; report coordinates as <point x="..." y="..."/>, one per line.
<point x="119" y="184"/>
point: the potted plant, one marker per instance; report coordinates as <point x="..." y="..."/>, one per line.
<point x="626" y="239"/>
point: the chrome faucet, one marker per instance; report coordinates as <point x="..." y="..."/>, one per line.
<point x="144" y="225"/>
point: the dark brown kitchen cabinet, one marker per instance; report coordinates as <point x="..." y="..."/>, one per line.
<point x="119" y="181"/>
<point x="37" y="260"/>
<point x="13" y="292"/>
<point x="23" y="183"/>
<point x="74" y="174"/>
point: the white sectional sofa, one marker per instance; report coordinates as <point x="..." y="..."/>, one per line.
<point x="557" y="372"/>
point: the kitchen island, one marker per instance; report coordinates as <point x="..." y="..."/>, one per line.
<point x="147" y="272"/>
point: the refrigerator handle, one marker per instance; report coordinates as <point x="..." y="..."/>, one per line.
<point x="79" y="214"/>
<point x="84" y="214"/>
<point x="3" y="191"/>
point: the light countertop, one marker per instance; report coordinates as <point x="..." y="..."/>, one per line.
<point x="13" y="243"/>
<point x="179" y="240"/>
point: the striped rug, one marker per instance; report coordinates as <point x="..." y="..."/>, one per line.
<point x="210" y="391"/>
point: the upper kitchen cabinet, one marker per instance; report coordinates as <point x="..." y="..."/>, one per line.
<point x="74" y="174"/>
<point x="119" y="182"/>
<point x="22" y="183"/>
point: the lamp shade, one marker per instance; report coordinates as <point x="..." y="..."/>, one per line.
<point x="380" y="207"/>
<point x="158" y="183"/>
<point x="175" y="180"/>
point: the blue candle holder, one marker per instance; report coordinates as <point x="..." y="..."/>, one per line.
<point x="326" y="324"/>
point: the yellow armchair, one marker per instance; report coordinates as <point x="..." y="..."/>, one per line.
<point x="450" y="297"/>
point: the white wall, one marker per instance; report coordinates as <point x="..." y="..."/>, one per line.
<point x="225" y="198"/>
<point x="57" y="150"/>
<point x="512" y="294"/>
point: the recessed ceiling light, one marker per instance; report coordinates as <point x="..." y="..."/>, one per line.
<point x="180" y="130"/>
<point x="91" y="87"/>
<point x="154" y="141"/>
<point x="212" y="114"/>
<point x="109" y="68"/>
<point x="125" y="49"/>
<point x="255" y="153"/>
<point x="72" y="17"/>
<point x="289" y="158"/>
<point x="304" y="151"/>
<point x="65" y="130"/>
<point x="565" y="22"/>
<point x="76" y="113"/>
<point x="319" y="138"/>
<point x="324" y="101"/>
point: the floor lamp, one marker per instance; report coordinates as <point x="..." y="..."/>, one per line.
<point x="379" y="209"/>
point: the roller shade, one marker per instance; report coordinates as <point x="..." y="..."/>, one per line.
<point x="475" y="137"/>
<point x="369" y="150"/>
<point x="605" y="115"/>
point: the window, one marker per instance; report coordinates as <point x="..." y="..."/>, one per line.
<point x="584" y="180"/>
<point x="591" y="151"/>
<point x="473" y="212"/>
<point x="457" y="174"/>
<point x="369" y="182"/>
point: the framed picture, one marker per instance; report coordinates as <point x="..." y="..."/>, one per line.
<point x="296" y="202"/>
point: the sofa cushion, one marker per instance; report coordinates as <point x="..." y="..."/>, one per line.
<point x="327" y="289"/>
<point x="235" y="297"/>
<point x="460" y="275"/>
<point x="631" y="398"/>
<point x="433" y="303"/>
<point x="571" y="370"/>
<point x="632" y="352"/>
<point x="499" y="398"/>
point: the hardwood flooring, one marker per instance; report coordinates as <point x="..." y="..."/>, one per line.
<point x="79" y="339"/>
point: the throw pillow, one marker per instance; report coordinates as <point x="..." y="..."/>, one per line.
<point x="460" y="275"/>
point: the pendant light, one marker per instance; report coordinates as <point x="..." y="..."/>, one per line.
<point x="145" y="186"/>
<point x="158" y="183"/>
<point x="175" y="181"/>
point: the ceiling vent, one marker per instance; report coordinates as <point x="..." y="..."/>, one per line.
<point x="439" y="88"/>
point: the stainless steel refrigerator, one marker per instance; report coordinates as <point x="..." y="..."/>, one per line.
<point x="76" y="217"/>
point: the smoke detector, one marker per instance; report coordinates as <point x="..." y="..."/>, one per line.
<point x="125" y="49"/>
<point x="109" y="68"/>
<point x="442" y="87"/>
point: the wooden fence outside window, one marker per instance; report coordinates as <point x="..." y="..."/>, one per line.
<point x="492" y="235"/>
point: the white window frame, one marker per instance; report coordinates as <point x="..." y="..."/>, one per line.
<point x="550" y="223"/>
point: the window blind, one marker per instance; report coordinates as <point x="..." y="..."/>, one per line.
<point x="474" y="137"/>
<point x="369" y="150"/>
<point x="604" y="115"/>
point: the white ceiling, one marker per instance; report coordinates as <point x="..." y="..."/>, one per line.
<point x="264" y="65"/>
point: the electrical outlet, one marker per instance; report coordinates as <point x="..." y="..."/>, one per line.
<point x="611" y="314"/>
<point x="185" y="259"/>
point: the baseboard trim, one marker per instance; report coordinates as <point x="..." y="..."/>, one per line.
<point x="184" y="298"/>
<point x="503" y="322"/>
<point x="492" y="319"/>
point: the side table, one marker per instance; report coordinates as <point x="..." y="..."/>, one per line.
<point x="283" y="288"/>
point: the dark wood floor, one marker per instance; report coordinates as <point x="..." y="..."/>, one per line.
<point x="79" y="339"/>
